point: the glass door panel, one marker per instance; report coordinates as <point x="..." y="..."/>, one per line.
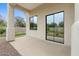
<point x="55" y="27"/>
<point x="50" y="27"/>
<point x="59" y="28"/>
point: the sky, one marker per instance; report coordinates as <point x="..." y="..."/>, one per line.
<point x="19" y="13"/>
<point x="34" y="19"/>
<point x="55" y="18"/>
<point x="3" y="11"/>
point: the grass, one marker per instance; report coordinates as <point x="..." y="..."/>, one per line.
<point x="56" y="32"/>
<point x="17" y="34"/>
<point x="3" y="32"/>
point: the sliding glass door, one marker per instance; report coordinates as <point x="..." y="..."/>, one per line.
<point x="55" y="27"/>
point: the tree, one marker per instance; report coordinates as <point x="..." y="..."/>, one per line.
<point x="52" y="25"/>
<point x="19" y="21"/>
<point x="33" y="25"/>
<point x="2" y="22"/>
<point x="61" y="24"/>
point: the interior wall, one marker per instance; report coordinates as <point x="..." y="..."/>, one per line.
<point x="46" y="9"/>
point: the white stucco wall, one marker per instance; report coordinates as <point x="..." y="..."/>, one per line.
<point x="75" y="33"/>
<point x="46" y="9"/>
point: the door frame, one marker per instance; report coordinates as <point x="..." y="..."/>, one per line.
<point x="46" y="26"/>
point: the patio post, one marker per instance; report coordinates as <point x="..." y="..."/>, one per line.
<point x="10" y="31"/>
<point x="27" y="22"/>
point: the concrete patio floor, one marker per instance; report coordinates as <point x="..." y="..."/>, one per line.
<point x="28" y="46"/>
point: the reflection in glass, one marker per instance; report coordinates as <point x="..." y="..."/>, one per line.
<point x="50" y="27"/>
<point x="33" y="23"/>
<point x="55" y="27"/>
<point x="59" y="29"/>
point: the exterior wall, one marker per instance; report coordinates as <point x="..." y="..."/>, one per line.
<point x="75" y="33"/>
<point x="77" y="12"/>
<point x="46" y="9"/>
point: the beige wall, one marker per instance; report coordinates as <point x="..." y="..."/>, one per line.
<point x="75" y="33"/>
<point x="46" y="9"/>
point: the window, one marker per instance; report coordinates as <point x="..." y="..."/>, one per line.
<point x="33" y="23"/>
<point x="55" y="27"/>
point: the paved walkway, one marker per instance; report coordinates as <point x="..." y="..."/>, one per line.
<point x="6" y="48"/>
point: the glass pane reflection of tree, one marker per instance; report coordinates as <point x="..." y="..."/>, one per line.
<point x="55" y="27"/>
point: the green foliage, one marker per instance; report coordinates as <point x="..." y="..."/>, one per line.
<point x="2" y="30"/>
<point x="61" y="24"/>
<point x="2" y="23"/>
<point x="19" y="33"/>
<point x="52" y="25"/>
<point x="19" y="21"/>
<point x="56" y="32"/>
<point x="33" y="26"/>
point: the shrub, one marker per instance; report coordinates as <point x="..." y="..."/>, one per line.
<point x="2" y="30"/>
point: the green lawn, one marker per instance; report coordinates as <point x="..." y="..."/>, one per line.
<point x="3" y="32"/>
<point x="56" y="32"/>
<point x="17" y="34"/>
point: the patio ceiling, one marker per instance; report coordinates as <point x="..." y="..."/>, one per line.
<point x="29" y="6"/>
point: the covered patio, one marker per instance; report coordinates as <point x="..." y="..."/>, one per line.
<point x="34" y="43"/>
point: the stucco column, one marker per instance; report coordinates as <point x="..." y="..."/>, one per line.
<point x="27" y="14"/>
<point x="10" y="31"/>
<point x="75" y="33"/>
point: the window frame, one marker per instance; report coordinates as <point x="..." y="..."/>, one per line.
<point x="46" y="25"/>
<point x="30" y="22"/>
